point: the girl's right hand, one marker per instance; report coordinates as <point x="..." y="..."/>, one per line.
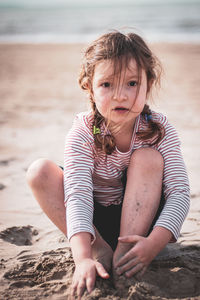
<point x="85" y="275"/>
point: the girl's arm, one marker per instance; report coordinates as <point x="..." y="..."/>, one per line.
<point x="81" y="246"/>
<point x="175" y="184"/>
<point x="78" y="183"/>
<point x="168" y="225"/>
<point x="86" y="268"/>
<point x="78" y="186"/>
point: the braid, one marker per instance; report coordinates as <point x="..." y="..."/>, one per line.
<point x="106" y="142"/>
<point x="154" y="129"/>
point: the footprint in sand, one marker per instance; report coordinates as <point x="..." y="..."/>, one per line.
<point x="51" y="270"/>
<point x="5" y="162"/>
<point x="2" y="186"/>
<point x="20" y="236"/>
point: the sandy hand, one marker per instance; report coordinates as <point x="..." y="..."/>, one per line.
<point x="137" y="258"/>
<point x="85" y="276"/>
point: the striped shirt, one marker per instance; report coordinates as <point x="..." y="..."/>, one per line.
<point x="90" y="174"/>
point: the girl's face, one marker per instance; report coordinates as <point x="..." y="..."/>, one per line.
<point x="119" y="98"/>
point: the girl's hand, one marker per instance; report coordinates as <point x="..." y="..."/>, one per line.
<point x="85" y="275"/>
<point x="138" y="257"/>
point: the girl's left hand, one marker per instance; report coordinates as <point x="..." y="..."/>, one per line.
<point x="137" y="258"/>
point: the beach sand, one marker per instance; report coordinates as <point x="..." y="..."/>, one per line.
<point x="39" y="98"/>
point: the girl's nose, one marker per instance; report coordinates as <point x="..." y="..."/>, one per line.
<point x="120" y="95"/>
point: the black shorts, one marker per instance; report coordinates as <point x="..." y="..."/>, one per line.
<point x="106" y="219"/>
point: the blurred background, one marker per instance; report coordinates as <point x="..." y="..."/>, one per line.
<point x="72" y="21"/>
<point x="41" y="45"/>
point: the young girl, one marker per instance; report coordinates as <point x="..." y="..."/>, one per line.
<point x="125" y="184"/>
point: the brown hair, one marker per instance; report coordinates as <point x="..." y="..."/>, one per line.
<point x="120" y="48"/>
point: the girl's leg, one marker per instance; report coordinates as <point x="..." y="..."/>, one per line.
<point x="46" y="181"/>
<point x="142" y="196"/>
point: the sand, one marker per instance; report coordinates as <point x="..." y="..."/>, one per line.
<point x="39" y="98"/>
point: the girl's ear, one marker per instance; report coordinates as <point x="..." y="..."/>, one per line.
<point x="90" y="92"/>
<point x="85" y="85"/>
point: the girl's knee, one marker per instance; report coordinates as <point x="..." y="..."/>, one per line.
<point x="148" y="157"/>
<point x="38" y="172"/>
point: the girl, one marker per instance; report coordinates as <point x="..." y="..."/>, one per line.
<point x="125" y="184"/>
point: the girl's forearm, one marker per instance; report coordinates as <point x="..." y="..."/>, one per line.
<point x="160" y="237"/>
<point x="81" y="246"/>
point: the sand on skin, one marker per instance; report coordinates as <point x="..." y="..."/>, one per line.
<point x="39" y="99"/>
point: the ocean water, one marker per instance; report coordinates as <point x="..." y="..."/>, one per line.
<point x="62" y="21"/>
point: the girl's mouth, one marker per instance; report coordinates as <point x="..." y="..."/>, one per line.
<point x="121" y="109"/>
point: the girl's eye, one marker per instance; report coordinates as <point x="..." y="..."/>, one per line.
<point x="132" y="83"/>
<point x="106" y="84"/>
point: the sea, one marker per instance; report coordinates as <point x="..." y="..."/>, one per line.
<point x="80" y="21"/>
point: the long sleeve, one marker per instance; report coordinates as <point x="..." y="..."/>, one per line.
<point x="78" y="186"/>
<point x="175" y="183"/>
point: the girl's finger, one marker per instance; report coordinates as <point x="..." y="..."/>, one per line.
<point x="101" y="271"/>
<point x="143" y="270"/>
<point x="73" y="289"/>
<point x="129" y="239"/>
<point x="126" y="258"/>
<point x="72" y="297"/>
<point x="134" y="270"/>
<point x="90" y="284"/>
<point x="127" y="266"/>
<point x="81" y="288"/>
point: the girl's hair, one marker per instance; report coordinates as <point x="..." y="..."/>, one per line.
<point x="120" y="48"/>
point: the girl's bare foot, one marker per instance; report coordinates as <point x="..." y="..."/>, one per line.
<point x="119" y="281"/>
<point x="102" y="252"/>
<point x="121" y="250"/>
